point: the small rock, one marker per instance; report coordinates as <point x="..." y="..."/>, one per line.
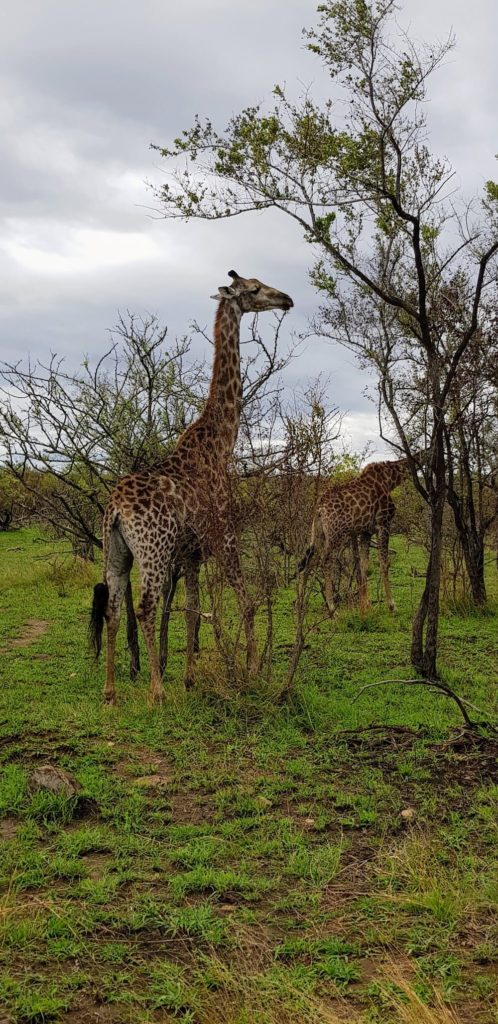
<point x="309" y="822"/>
<point x="151" y="780"/>
<point x="55" y="780"/>
<point x="408" y="813"/>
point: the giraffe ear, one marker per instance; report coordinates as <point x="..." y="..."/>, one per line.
<point x="223" y="292"/>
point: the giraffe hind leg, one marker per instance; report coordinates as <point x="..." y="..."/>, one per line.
<point x="329" y="590"/>
<point x="146" y="615"/>
<point x="192" y="619"/>
<point x="119" y="562"/>
<point x="169" y="591"/>
<point x="364" y="546"/>
<point x="132" y="634"/>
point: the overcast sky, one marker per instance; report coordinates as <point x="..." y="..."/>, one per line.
<point x="87" y="86"/>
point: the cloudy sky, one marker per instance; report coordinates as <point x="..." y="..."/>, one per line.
<point x="87" y="85"/>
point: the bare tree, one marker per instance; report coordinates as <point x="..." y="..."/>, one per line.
<point x="472" y="443"/>
<point x="67" y="436"/>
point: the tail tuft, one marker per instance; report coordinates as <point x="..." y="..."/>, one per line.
<point x="305" y="561"/>
<point x="97" y="616"/>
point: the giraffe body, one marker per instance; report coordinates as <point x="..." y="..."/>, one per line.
<point x="355" y="511"/>
<point x="173" y="518"/>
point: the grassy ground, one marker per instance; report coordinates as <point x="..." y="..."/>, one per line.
<point x="229" y="861"/>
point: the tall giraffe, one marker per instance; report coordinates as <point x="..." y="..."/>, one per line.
<point x="180" y="513"/>
<point x="356" y="510"/>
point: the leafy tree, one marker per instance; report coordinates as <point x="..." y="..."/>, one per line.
<point x="388" y="232"/>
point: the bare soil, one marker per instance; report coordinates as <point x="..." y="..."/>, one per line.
<point x="30" y="631"/>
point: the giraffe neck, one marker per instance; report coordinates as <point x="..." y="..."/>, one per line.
<point x="222" y="409"/>
<point x="395" y="472"/>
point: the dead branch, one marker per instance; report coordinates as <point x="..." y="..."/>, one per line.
<point x="461" y="702"/>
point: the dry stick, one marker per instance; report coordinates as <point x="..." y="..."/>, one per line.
<point x="460" y="701"/>
<point x="379" y="728"/>
<point x="298" y="646"/>
<point x="301" y="607"/>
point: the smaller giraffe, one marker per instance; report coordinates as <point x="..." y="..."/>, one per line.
<point x="355" y="511"/>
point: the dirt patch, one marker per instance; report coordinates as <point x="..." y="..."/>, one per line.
<point x="465" y="758"/>
<point x="35" y="746"/>
<point x="91" y="1012"/>
<point x="8" y="828"/>
<point x="96" y="864"/>
<point x="160" y="769"/>
<point x="190" y="809"/>
<point x="30" y="631"/>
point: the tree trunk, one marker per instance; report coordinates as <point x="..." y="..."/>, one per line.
<point x="429" y="669"/>
<point x="474" y="561"/>
<point x="472" y="542"/>
<point x="6" y="516"/>
<point x="424" y="648"/>
<point x="469" y="519"/>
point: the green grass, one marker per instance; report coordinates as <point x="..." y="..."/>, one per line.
<point x="265" y="872"/>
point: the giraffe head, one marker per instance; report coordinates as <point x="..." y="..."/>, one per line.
<point x="252" y="296"/>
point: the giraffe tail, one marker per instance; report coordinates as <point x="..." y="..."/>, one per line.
<point x="97" y="616"/>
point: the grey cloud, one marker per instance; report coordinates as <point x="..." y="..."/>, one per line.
<point x="87" y="87"/>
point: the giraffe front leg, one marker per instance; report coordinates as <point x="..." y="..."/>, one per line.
<point x="330" y="575"/>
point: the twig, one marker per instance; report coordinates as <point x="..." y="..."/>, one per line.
<point x="379" y="728"/>
<point x="459" y="701"/>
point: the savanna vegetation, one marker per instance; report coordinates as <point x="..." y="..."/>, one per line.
<point x="230" y="858"/>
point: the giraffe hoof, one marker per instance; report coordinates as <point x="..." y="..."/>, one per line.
<point x="110" y="699"/>
<point x="188" y="683"/>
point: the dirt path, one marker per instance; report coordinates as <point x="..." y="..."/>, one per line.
<point x="30" y="631"/>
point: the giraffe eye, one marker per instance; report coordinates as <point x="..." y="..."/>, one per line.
<point x="254" y="291"/>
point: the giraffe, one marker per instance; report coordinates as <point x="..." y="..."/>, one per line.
<point x="172" y="518"/>
<point x="356" y="510"/>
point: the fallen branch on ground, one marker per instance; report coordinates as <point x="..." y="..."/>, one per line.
<point x="461" y="702"/>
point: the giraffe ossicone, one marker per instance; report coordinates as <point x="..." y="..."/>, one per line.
<point x="181" y="512"/>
